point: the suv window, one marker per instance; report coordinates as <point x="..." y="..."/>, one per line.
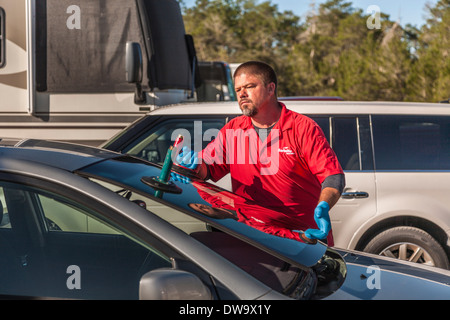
<point x="344" y="141"/>
<point x="324" y="124"/>
<point x="412" y="142"/>
<point x="349" y="136"/>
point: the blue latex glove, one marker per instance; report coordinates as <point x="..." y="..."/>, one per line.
<point x="178" y="177"/>
<point x="322" y="218"/>
<point x="188" y="159"/>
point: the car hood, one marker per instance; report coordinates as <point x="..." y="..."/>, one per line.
<point x="374" y="277"/>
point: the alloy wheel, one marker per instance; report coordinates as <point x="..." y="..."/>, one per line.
<point x="408" y="252"/>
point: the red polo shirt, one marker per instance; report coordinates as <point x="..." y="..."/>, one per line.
<point x="283" y="173"/>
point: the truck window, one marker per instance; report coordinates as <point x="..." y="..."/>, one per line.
<point x="216" y="82"/>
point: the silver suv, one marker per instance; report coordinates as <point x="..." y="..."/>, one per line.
<point x="396" y="157"/>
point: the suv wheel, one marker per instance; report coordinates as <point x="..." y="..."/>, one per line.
<point x="410" y="244"/>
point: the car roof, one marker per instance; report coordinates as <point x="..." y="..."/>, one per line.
<point x="61" y="155"/>
<point x="312" y="107"/>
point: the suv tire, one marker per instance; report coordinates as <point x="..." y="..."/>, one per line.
<point x="411" y="244"/>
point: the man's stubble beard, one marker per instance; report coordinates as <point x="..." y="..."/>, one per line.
<point x="249" y="111"/>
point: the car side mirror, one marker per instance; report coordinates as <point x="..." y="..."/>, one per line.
<point x="172" y="284"/>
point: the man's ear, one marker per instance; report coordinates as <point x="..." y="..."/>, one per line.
<point x="271" y="87"/>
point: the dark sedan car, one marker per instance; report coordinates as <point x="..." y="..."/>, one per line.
<point x="87" y="223"/>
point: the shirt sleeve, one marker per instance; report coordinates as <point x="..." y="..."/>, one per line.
<point x="336" y="181"/>
<point x="316" y="151"/>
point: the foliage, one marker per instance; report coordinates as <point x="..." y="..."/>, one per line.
<point x="429" y="79"/>
<point x="332" y="52"/>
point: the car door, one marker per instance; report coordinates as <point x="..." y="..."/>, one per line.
<point x="41" y="258"/>
<point x="350" y="138"/>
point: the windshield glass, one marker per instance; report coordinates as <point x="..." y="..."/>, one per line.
<point x="199" y="203"/>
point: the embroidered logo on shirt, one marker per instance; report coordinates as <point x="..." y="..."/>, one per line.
<point x="286" y="150"/>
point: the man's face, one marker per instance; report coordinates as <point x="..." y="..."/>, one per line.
<point x="251" y="92"/>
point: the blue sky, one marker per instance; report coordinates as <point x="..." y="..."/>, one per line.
<point x="405" y="11"/>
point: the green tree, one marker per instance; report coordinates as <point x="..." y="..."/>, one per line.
<point x="429" y="79"/>
<point x="333" y="52"/>
<point x="240" y="30"/>
<point x="340" y="56"/>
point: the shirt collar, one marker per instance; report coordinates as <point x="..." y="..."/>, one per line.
<point x="285" y="122"/>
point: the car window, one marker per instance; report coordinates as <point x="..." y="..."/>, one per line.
<point x="411" y="142"/>
<point x="64" y="217"/>
<point x="217" y="205"/>
<point x="153" y="144"/>
<point x="365" y="142"/>
<point x="274" y="272"/>
<point x="51" y="249"/>
<point x="208" y="209"/>
<point x="4" y="216"/>
<point x="140" y="176"/>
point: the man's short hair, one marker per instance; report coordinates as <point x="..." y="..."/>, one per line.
<point x="260" y="69"/>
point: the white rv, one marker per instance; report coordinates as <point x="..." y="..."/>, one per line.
<point x="82" y="70"/>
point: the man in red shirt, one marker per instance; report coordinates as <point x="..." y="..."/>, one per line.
<point x="276" y="157"/>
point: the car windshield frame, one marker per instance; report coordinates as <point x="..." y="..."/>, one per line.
<point x="127" y="172"/>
